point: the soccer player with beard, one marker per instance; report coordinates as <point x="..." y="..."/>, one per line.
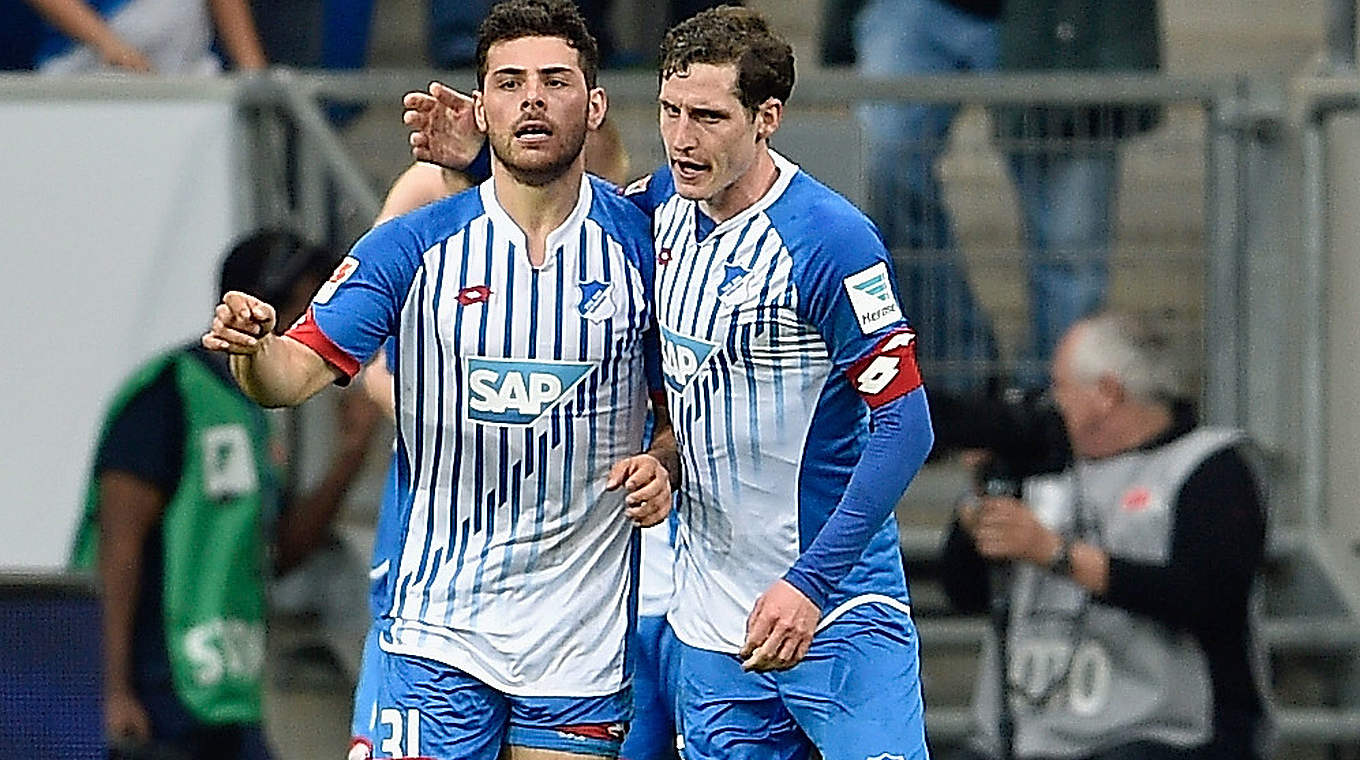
<point x="524" y="355"/>
<point x="799" y="415"/>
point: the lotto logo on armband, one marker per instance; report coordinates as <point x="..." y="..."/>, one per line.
<point x="889" y="371"/>
<point x="519" y="391"/>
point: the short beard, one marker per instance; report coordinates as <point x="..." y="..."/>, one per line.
<point x="540" y="175"/>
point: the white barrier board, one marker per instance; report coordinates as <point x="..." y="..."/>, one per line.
<point x="113" y="216"/>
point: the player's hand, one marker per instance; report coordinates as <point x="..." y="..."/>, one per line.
<point x="649" y="488"/>
<point x="779" y="629"/>
<point x="120" y="54"/>
<point x="125" y="720"/>
<point x="443" y="129"/>
<point x="1005" y="528"/>
<point x="240" y="322"/>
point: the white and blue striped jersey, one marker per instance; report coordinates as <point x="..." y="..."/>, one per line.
<point x="767" y="321"/>
<point x="517" y="388"/>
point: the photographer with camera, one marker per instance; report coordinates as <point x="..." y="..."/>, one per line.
<point x="1130" y="560"/>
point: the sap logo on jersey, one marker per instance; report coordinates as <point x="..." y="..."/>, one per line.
<point x="872" y="298"/>
<point x="519" y="391"/>
<point x="681" y="358"/>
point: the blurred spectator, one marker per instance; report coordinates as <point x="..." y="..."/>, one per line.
<point x="161" y="36"/>
<point x="838" y="31"/>
<point x="182" y="492"/>
<point x="1129" y="569"/>
<point x="452" y="43"/>
<point x="1065" y="159"/>
<point x="19" y="27"/>
<point x="905" y="199"/>
<point x="326" y="34"/>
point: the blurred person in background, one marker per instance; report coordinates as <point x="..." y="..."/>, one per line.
<point x="183" y="524"/>
<point x="452" y="41"/>
<point x="904" y="143"/>
<point x="1065" y="159"/>
<point x="146" y="36"/>
<point x="1127" y="565"/>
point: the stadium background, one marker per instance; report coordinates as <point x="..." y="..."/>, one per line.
<point x="1236" y="226"/>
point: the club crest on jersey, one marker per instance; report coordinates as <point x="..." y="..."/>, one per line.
<point x="682" y="357"/>
<point x="596" y="303"/>
<point x="663" y="257"/>
<point x="871" y="296"/>
<point x="343" y="272"/>
<point x="517" y="392"/>
<point x="733" y="289"/>
<point x="474" y="295"/>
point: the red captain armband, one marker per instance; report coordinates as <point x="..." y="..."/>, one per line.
<point x="889" y="371"/>
<point x="307" y="332"/>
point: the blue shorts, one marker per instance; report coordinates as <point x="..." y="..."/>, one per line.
<point x="856" y="695"/>
<point x="651" y="735"/>
<point x="426" y="709"/>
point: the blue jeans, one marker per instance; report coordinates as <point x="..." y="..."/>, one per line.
<point x="452" y="40"/>
<point x="904" y="143"/>
<point x="1067" y="214"/>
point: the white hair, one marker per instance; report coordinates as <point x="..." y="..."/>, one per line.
<point x="1130" y="349"/>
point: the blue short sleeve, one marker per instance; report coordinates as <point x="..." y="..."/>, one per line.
<point x="360" y="306"/>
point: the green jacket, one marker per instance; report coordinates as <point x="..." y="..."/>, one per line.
<point x="1079" y="36"/>
<point x="213" y="598"/>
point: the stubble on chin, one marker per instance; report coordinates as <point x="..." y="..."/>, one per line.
<point x="537" y="173"/>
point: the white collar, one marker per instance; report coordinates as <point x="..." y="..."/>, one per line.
<point x="787" y="169"/>
<point x="515" y="234"/>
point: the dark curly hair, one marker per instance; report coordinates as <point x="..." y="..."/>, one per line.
<point x="735" y="35"/>
<point x="514" y="19"/>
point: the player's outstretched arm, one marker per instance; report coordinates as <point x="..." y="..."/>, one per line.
<point x="271" y="369"/>
<point x="443" y="130"/>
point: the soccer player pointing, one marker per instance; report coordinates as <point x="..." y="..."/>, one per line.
<point x="525" y="351"/>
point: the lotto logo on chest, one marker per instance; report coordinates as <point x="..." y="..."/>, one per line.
<point x="519" y="392"/>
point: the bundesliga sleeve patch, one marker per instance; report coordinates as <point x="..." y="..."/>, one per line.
<point x="343" y="272"/>
<point x="638" y="185"/>
<point x="887" y="372"/>
<point x="871" y="297"/>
